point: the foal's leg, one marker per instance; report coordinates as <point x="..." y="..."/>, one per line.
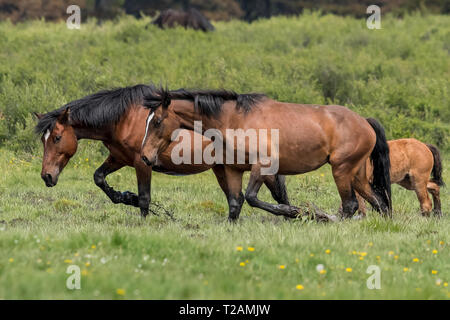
<point x="361" y="204"/>
<point x="424" y="199"/>
<point x="109" y="166"/>
<point x="434" y="189"/>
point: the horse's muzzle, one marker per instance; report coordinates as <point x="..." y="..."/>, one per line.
<point x="48" y="179"/>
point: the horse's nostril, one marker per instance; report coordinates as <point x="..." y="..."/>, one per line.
<point x="146" y="161"/>
<point x="48" y="180"/>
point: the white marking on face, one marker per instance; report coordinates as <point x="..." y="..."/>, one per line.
<point x="47" y="134"/>
<point x="149" y="118"/>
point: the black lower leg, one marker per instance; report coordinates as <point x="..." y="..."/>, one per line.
<point x="108" y="167"/>
<point x="277" y="186"/>
<point x="350" y="205"/>
<point x="235" y="204"/>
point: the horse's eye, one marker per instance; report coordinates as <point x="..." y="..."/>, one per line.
<point x="158" y="122"/>
<point x="57" y="139"/>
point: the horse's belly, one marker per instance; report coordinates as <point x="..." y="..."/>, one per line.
<point x="301" y="162"/>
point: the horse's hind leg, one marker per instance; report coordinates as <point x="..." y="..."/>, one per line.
<point x="363" y="188"/>
<point x="251" y="195"/>
<point x="109" y="166"/>
<point x="434" y="189"/>
<point x="277" y="186"/>
<point x="343" y="176"/>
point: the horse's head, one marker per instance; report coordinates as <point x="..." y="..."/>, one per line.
<point x="60" y="144"/>
<point x="161" y="124"/>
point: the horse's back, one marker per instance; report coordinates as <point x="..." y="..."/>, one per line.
<point x="411" y="157"/>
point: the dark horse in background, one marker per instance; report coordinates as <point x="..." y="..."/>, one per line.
<point x="309" y="137"/>
<point x="192" y="18"/>
<point x="118" y="119"/>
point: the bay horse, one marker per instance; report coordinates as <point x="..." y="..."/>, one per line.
<point x="188" y="19"/>
<point x="309" y="137"/>
<point x="118" y="119"/>
<point x="412" y="164"/>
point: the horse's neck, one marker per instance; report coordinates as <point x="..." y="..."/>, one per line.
<point x="190" y="118"/>
<point x="103" y="134"/>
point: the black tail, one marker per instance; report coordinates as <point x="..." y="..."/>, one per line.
<point x="437" y="166"/>
<point x="381" y="184"/>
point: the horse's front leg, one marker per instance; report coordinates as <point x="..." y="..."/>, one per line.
<point x="144" y="179"/>
<point x="109" y="166"/>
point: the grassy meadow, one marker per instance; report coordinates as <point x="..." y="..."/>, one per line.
<point x="398" y="74"/>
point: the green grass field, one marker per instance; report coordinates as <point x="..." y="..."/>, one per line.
<point x="120" y="255"/>
<point x="399" y="75"/>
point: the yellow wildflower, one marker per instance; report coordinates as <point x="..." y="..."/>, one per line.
<point x="348" y="269"/>
<point x="434" y="272"/>
<point x="300" y="287"/>
<point x="251" y="249"/>
<point x="120" y="292"/>
<point x="11" y="260"/>
<point x="434" y="251"/>
<point x="415" y="260"/>
<point x="328" y="251"/>
<point x="281" y="266"/>
<point x="67" y="261"/>
<point x="239" y="248"/>
<point x="242" y="264"/>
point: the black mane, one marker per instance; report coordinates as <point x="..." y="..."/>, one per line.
<point x="98" y="109"/>
<point x="207" y="102"/>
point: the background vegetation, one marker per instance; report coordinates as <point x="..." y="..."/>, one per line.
<point x="399" y="74"/>
<point x="20" y="10"/>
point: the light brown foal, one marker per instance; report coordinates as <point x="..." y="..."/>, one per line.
<point x="415" y="166"/>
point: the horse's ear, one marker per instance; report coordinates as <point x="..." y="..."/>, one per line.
<point x="165" y="99"/>
<point x="38" y="115"/>
<point x="64" y="117"/>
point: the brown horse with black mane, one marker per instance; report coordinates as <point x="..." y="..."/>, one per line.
<point x="118" y="119"/>
<point x="309" y="137"/>
<point x="412" y="164"/>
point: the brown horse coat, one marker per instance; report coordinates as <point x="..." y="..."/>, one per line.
<point x="117" y="118"/>
<point x="309" y="137"/>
